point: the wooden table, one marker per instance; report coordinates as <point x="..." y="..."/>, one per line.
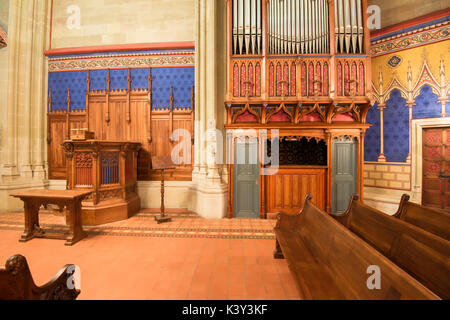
<point x="34" y="199"/>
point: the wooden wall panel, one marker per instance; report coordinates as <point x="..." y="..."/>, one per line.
<point x="128" y="121"/>
<point x="56" y="156"/>
<point x="286" y="190"/>
<point x="60" y="124"/>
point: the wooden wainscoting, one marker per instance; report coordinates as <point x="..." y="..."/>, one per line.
<point x="286" y="190"/>
<point x="125" y="115"/>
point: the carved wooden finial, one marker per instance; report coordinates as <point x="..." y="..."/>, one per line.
<point x="108" y="80"/>
<point x="149" y="78"/>
<point x="171" y="97"/>
<point x="88" y="82"/>
<point x="192" y="98"/>
<point x="68" y="99"/>
<point x="49" y="100"/>
<point x="129" y="80"/>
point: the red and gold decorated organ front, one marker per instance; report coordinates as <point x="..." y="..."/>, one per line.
<point x="301" y="67"/>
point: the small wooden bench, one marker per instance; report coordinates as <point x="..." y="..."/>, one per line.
<point x="420" y="253"/>
<point x="16" y="282"/>
<point x="429" y="219"/>
<point x="330" y="262"/>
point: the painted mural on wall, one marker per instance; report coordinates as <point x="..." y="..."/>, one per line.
<point x="169" y="68"/>
<point x="408" y="83"/>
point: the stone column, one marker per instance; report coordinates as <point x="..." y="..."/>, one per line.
<point x="23" y="147"/>
<point x="210" y="87"/>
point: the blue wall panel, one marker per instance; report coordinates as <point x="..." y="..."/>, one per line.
<point x="118" y="79"/>
<point x="372" y="138"/>
<point x="181" y="78"/>
<point x="60" y="82"/>
<point x="98" y="79"/>
<point x="427" y="104"/>
<point x="396" y="128"/>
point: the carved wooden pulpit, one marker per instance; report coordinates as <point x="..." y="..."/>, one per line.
<point x="109" y="169"/>
<point x="162" y="163"/>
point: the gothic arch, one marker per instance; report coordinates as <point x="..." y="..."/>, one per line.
<point x="426" y="77"/>
<point x="393" y="85"/>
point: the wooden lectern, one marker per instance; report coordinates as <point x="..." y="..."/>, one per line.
<point x="162" y="163"/>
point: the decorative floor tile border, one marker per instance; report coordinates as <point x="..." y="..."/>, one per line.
<point x="155" y="231"/>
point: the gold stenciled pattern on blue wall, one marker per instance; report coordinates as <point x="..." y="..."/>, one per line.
<point x="60" y="82"/>
<point x="427" y="104"/>
<point x="182" y="79"/>
<point x="396" y="128"/>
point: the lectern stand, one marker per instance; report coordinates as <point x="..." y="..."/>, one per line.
<point x="162" y="163"/>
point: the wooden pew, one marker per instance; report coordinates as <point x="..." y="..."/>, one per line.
<point x="422" y="254"/>
<point x="330" y="262"/>
<point x="429" y="219"/>
<point x="16" y="282"/>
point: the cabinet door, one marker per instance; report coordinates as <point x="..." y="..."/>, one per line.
<point x="246" y="176"/>
<point x="343" y="173"/>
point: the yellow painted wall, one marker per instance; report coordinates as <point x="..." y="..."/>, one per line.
<point x="106" y="22"/>
<point x="415" y="56"/>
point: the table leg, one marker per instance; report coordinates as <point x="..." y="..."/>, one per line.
<point x="32" y="229"/>
<point x="76" y="232"/>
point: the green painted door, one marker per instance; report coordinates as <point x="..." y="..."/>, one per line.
<point x="246" y="176"/>
<point x="343" y="173"/>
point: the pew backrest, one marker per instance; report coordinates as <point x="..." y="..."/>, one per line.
<point x="347" y="257"/>
<point x="429" y="219"/>
<point x="422" y="254"/>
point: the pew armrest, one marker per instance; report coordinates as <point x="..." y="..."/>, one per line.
<point x="61" y="287"/>
<point x="403" y="201"/>
<point x="344" y="218"/>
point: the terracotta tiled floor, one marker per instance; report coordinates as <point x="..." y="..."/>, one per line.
<point x="219" y="259"/>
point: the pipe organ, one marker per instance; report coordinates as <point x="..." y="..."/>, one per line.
<point x="302" y="67"/>
<point x="298" y="26"/>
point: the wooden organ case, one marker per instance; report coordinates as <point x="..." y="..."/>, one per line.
<point x="109" y="169"/>
<point x="301" y="67"/>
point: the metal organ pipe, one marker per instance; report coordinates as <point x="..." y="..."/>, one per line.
<point x="297" y="26"/>
<point x="349" y="26"/>
<point x="247" y="27"/>
<point x="247" y="24"/>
